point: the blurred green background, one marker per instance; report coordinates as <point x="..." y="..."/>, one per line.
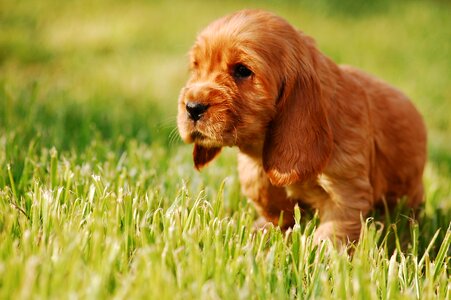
<point x="76" y="71"/>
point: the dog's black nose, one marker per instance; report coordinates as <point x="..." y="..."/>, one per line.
<point x="195" y="110"/>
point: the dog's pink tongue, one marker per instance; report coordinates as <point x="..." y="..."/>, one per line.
<point x="203" y="155"/>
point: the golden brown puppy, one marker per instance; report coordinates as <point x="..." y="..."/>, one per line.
<point x="309" y="131"/>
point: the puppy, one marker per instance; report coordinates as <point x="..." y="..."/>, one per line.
<point x="309" y="131"/>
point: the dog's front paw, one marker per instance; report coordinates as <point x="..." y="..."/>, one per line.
<point x="262" y="224"/>
<point x="324" y="232"/>
<point x="338" y="233"/>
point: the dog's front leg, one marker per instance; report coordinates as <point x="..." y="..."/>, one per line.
<point x="269" y="200"/>
<point x="340" y="216"/>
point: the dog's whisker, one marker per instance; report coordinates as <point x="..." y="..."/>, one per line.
<point x="173" y="136"/>
<point x="167" y="122"/>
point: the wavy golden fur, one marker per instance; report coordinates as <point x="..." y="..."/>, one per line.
<point x="309" y="131"/>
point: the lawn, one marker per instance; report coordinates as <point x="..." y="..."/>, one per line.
<point x="99" y="198"/>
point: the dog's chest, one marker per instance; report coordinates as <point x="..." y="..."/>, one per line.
<point x="313" y="193"/>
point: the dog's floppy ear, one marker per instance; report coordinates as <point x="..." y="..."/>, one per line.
<point x="298" y="142"/>
<point x="203" y="155"/>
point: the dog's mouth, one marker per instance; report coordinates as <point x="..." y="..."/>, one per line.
<point x="200" y="138"/>
<point x="209" y="131"/>
<point x="197" y="136"/>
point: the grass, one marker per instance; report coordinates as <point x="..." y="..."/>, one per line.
<point x="99" y="199"/>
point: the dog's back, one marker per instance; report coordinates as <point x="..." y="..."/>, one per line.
<point x="399" y="135"/>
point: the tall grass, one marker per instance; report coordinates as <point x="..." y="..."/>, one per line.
<point x="99" y="199"/>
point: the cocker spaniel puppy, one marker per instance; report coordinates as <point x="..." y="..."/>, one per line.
<point x="308" y="131"/>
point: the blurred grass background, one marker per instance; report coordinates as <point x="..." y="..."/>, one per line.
<point x="99" y="82"/>
<point x="85" y="68"/>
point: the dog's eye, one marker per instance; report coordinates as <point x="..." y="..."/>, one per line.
<point x="241" y="71"/>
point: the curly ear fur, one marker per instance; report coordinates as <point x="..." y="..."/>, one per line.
<point x="203" y="155"/>
<point x="298" y="143"/>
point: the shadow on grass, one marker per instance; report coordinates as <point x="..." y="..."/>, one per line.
<point x="406" y="228"/>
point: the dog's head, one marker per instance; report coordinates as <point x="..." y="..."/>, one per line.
<point x="253" y="85"/>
